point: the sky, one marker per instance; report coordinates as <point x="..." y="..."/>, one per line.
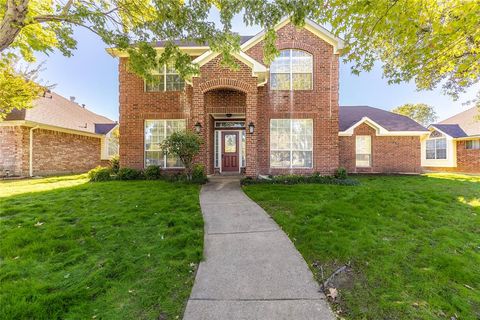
<point x="91" y="76"/>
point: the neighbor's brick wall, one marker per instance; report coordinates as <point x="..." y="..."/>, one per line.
<point x="319" y="104"/>
<point x="53" y="152"/>
<point x="13" y="155"/>
<point x="468" y="161"/>
<point x="389" y="154"/>
<point x="60" y="153"/>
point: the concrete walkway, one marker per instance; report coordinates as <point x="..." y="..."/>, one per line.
<point x="251" y="269"/>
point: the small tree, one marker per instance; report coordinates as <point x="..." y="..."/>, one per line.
<point x="422" y="113"/>
<point x="185" y="145"/>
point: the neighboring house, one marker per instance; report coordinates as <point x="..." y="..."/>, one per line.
<point x="454" y="144"/>
<point x="56" y="136"/>
<point x="259" y="119"/>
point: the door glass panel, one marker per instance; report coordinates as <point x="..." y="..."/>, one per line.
<point x="230" y="143"/>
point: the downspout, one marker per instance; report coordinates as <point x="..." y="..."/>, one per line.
<point x="30" y="160"/>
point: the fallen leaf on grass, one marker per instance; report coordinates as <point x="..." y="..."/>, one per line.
<point x="38" y="224"/>
<point x="332" y="293"/>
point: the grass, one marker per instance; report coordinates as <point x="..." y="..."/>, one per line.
<point x="70" y="249"/>
<point x="412" y="242"/>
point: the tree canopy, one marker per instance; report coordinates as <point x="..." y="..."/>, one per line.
<point x="430" y="42"/>
<point x="422" y="113"/>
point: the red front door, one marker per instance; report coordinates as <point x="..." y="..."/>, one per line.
<point x="230" y="161"/>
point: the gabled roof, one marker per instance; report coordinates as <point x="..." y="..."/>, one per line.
<point x="55" y="110"/>
<point x="310" y="25"/>
<point x="453" y="130"/>
<point x="104" y="128"/>
<point x="351" y="116"/>
<point x="467" y="123"/>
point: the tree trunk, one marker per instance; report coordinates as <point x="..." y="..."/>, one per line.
<point x="12" y="22"/>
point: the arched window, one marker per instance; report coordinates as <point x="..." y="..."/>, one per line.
<point x="292" y="70"/>
<point x="436" y="146"/>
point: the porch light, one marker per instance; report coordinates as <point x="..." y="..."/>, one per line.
<point x="251" y="128"/>
<point x="198" y="127"/>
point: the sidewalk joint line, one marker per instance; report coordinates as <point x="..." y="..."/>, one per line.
<point x="240" y="232"/>
<point x="264" y="299"/>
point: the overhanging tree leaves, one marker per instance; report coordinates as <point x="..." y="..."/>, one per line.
<point x="420" y="112"/>
<point x="431" y="42"/>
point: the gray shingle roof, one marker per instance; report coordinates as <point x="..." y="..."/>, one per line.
<point x="58" y="111"/>
<point x="468" y="122"/>
<point x="453" y="130"/>
<point x="349" y="115"/>
<point x="183" y="43"/>
<point x="104" y="128"/>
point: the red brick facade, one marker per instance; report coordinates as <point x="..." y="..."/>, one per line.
<point x="221" y="90"/>
<point x="54" y="152"/>
<point x="218" y="90"/>
<point x="468" y="160"/>
<point x="400" y="154"/>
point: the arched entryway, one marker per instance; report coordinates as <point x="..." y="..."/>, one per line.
<point x="225" y="113"/>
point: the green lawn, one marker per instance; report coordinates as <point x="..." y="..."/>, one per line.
<point x="70" y="249"/>
<point x="413" y="242"/>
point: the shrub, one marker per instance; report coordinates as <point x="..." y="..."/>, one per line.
<point x="185" y="145"/>
<point x="115" y="164"/>
<point x="297" y="179"/>
<point x="129" y="174"/>
<point x="198" y="174"/>
<point x="153" y="173"/>
<point x="341" y="173"/>
<point x="99" y="174"/>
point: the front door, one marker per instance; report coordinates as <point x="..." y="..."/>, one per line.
<point x="230" y="161"/>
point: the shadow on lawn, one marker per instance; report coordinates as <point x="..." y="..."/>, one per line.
<point x="411" y="243"/>
<point x="99" y="249"/>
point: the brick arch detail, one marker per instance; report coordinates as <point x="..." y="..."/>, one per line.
<point x="296" y="45"/>
<point x="225" y="83"/>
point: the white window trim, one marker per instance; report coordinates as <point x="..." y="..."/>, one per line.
<point x="165" y="132"/>
<point x="475" y="144"/>
<point x="291" y="149"/>
<point x="370" y="151"/>
<point x="451" y="160"/>
<point x="291" y="72"/>
<point x="164" y="74"/>
<point x="435" y="139"/>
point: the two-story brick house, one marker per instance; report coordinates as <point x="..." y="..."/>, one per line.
<point x="258" y="119"/>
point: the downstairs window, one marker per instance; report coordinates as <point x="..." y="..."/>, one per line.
<point x="436" y="148"/>
<point x="291" y="143"/>
<point x="155" y="132"/>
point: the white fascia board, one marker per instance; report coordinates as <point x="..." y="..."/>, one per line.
<point x="257" y="67"/>
<point x="28" y="123"/>
<point x="380" y="131"/>
<point x="337" y="43"/>
<point x="436" y="129"/>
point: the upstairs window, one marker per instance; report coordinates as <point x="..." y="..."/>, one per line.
<point x="472" y="144"/>
<point x="166" y="79"/>
<point x="292" y="70"/>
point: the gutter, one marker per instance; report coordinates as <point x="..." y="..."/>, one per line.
<point x="30" y="155"/>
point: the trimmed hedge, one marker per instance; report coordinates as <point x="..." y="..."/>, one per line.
<point x="99" y="174"/>
<point x="150" y="173"/>
<point x="130" y="174"/>
<point x="298" y="179"/>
